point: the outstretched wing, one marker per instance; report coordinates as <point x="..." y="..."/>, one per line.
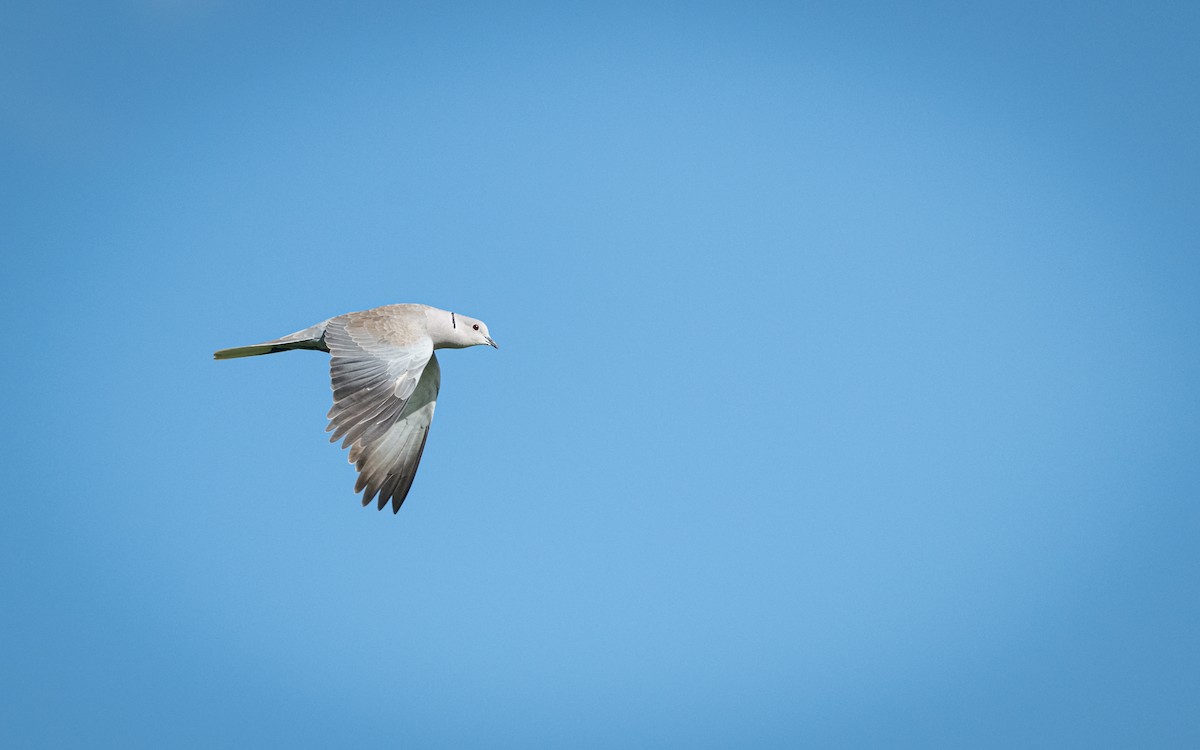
<point x="388" y="465"/>
<point x="385" y="383"/>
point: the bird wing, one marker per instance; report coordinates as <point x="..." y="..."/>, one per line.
<point x="385" y="383"/>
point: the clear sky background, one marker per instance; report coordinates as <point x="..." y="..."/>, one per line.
<point x="847" y="394"/>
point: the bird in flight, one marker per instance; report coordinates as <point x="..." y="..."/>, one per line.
<point x="385" y="380"/>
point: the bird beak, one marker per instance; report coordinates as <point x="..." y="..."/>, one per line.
<point x="491" y="343"/>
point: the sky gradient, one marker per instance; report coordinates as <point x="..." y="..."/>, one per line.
<point x="846" y="394"/>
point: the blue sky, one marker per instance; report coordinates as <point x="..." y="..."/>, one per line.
<point x="846" y="398"/>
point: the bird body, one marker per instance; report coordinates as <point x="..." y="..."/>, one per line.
<point x="385" y="379"/>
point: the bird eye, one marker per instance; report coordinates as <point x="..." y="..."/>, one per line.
<point x="476" y="326"/>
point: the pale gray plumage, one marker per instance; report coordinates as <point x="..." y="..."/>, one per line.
<point x="385" y="379"/>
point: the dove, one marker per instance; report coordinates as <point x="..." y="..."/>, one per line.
<point x="385" y="379"/>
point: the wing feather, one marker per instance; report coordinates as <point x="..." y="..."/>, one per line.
<point x="385" y="382"/>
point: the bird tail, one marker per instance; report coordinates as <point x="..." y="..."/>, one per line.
<point x="309" y="338"/>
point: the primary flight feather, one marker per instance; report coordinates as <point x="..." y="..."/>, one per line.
<point x="385" y="380"/>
